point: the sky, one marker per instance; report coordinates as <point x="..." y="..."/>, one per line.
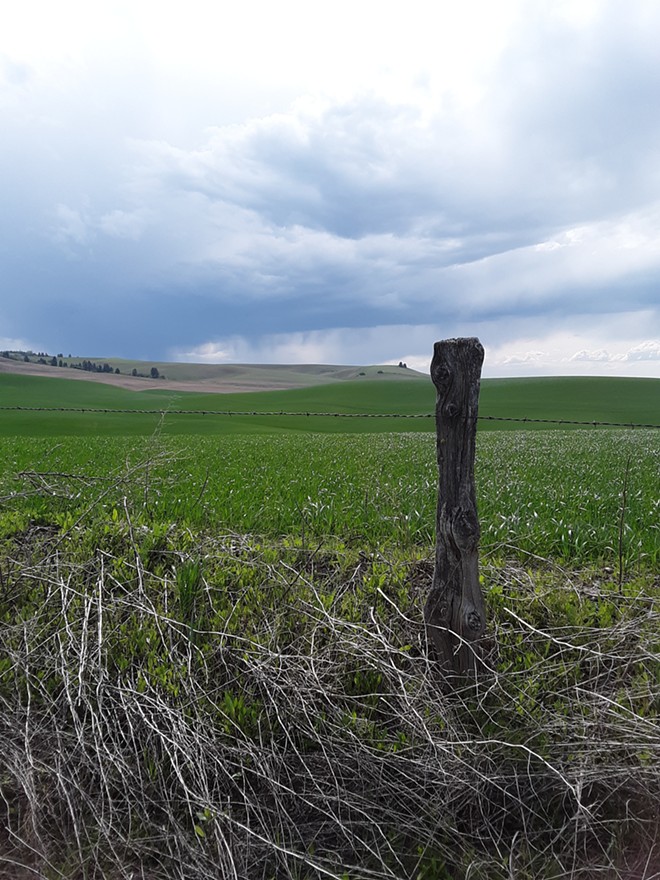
<point x="345" y="182"/>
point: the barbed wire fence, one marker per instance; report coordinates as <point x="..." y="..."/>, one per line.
<point x="310" y="414"/>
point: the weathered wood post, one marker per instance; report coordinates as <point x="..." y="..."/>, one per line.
<point x="454" y="612"/>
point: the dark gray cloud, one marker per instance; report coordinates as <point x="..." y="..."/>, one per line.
<point x="142" y="217"/>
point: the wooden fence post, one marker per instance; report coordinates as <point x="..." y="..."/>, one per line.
<point x="454" y="612"/>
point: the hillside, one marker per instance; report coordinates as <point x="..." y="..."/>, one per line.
<point x="619" y="400"/>
<point x="579" y="398"/>
<point x="204" y="378"/>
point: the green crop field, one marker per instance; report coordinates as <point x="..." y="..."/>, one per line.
<point x="627" y="401"/>
<point x="213" y="661"/>
<point x="555" y="494"/>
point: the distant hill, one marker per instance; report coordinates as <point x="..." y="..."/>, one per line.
<point x="210" y="378"/>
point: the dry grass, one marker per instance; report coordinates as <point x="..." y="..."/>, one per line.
<point x="246" y="711"/>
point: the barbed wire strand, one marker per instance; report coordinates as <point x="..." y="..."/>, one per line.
<point x="246" y="413"/>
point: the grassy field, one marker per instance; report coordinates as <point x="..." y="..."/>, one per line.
<point x="555" y="494"/>
<point x="592" y="399"/>
<point x="213" y="661"/>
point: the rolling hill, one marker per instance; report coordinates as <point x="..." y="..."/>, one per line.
<point x="379" y="392"/>
<point x="211" y="378"/>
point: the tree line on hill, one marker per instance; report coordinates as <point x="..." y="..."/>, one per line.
<point x="42" y="357"/>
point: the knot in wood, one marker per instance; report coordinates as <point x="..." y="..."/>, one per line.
<point x="451" y="410"/>
<point x="440" y="374"/>
<point x="474" y="621"/>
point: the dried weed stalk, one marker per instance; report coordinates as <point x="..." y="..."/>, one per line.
<point x="145" y="734"/>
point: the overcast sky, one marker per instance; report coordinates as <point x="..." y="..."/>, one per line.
<point x="345" y="182"/>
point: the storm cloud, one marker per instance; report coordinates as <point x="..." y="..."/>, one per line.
<point x="160" y="205"/>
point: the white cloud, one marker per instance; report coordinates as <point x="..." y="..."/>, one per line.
<point x="400" y="203"/>
<point x="564" y="352"/>
<point x="598" y="356"/>
<point x="645" y="351"/>
<point x="648" y="350"/>
<point x="284" y="48"/>
<point x="528" y="358"/>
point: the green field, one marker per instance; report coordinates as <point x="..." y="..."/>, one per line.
<point x="213" y="661"/>
<point x="551" y="493"/>
<point x="626" y="401"/>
